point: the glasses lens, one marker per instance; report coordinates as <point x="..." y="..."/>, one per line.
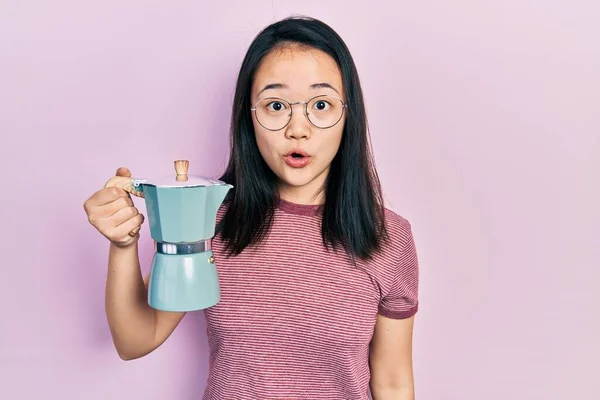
<point x="273" y="113"/>
<point x="325" y="111"/>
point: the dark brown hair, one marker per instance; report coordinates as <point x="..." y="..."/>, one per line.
<point x="353" y="212"/>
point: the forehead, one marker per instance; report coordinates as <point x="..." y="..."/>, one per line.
<point x="298" y="68"/>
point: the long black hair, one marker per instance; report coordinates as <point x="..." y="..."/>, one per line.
<point x="353" y="211"/>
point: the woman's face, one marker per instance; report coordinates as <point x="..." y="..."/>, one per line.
<point x="299" y="153"/>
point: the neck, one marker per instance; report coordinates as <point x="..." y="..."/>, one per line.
<point x="312" y="193"/>
<point x="299" y="195"/>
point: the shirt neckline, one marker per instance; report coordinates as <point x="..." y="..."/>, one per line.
<point x="299" y="209"/>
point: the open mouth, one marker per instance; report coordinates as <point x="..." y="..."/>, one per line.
<point x="297" y="153"/>
<point x="297" y="158"/>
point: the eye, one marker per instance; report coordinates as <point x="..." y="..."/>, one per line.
<point x="276" y="106"/>
<point x="322" y="105"/>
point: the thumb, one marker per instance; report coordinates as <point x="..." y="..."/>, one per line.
<point x="122" y="171"/>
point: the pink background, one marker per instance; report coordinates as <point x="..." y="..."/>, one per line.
<point x="485" y="120"/>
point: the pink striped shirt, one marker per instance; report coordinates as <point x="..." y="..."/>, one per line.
<point x="295" y="321"/>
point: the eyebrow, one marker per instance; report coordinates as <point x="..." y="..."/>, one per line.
<point x="319" y="85"/>
<point x="322" y="85"/>
<point x="273" y="86"/>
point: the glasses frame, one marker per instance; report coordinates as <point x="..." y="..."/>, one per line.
<point x="305" y="103"/>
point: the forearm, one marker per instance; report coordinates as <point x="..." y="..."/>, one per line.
<point x="131" y="320"/>
<point x="391" y="393"/>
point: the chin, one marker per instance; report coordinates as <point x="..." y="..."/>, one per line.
<point x="297" y="177"/>
<point x="296" y="180"/>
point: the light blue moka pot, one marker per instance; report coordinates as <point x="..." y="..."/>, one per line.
<point x="182" y="211"/>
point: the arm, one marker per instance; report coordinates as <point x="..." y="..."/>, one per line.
<point x="392" y="343"/>
<point x="136" y="328"/>
<point x="391" y="359"/>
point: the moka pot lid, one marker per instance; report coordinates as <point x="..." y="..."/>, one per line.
<point x="180" y="179"/>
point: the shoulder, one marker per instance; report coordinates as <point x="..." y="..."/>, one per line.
<point x="397" y="253"/>
<point x="396" y="247"/>
<point x="399" y="230"/>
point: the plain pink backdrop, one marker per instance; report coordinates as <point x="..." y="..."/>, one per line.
<point x="485" y="124"/>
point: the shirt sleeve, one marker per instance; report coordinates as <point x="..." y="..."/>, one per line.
<point x="401" y="300"/>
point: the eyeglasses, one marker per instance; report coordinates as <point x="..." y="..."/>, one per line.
<point x="275" y="114"/>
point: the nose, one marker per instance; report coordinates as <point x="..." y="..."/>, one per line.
<point x="299" y="127"/>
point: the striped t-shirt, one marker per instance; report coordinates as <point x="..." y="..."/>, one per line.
<point x="295" y="320"/>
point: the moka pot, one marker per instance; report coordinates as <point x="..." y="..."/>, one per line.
<point x="181" y="212"/>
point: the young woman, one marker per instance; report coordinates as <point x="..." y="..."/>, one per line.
<point x="319" y="280"/>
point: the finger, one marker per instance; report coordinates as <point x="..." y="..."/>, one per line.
<point x="125" y="183"/>
<point x="122" y="171"/>
<point x="109" y="209"/>
<point x="106" y="196"/>
<point x="122" y="215"/>
<point x="127" y="226"/>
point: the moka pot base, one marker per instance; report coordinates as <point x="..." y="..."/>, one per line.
<point x="183" y="277"/>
